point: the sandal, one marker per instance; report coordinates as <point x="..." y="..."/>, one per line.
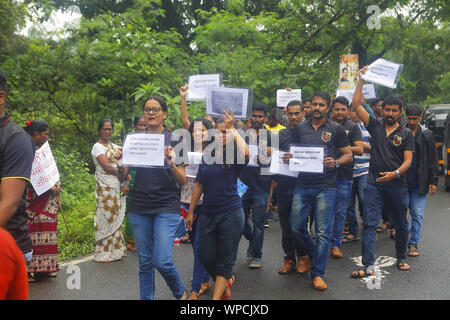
<point x="362" y="273"/>
<point x="403" y="266"/>
<point x="349" y="238"/>
<point x="393" y="234"/>
<point x="413" y="252"/>
<point x="230" y="284"/>
<point x="384" y="226"/>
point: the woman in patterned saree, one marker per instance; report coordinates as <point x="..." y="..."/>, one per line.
<point x="110" y="211"/>
<point x="43" y="217"/>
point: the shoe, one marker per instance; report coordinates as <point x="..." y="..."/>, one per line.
<point x="336" y="253"/>
<point x="319" y="284"/>
<point x="255" y="263"/>
<point x="205" y="287"/>
<point x="271" y="218"/>
<point x="288" y="267"/>
<point x="194" y="296"/>
<point x="304" y="264"/>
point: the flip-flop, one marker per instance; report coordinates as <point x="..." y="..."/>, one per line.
<point x="403" y="264"/>
<point x="358" y="275"/>
<point x="348" y="239"/>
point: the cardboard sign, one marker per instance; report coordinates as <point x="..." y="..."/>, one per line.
<point x="44" y="172"/>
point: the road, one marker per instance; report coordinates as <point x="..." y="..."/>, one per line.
<point x="429" y="277"/>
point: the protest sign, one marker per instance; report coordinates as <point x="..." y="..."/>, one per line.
<point x="307" y="159"/>
<point x="348" y="70"/>
<point x="277" y="166"/>
<point x="368" y="92"/>
<point x="223" y="99"/>
<point x="199" y="83"/>
<point x="44" y="172"/>
<point x="383" y="72"/>
<point x="143" y="150"/>
<point x="285" y="96"/>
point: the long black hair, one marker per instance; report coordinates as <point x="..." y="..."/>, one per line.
<point x="205" y="122"/>
<point x="36" y="126"/>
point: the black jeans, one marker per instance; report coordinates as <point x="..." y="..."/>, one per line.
<point x="219" y="239"/>
<point x="290" y="247"/>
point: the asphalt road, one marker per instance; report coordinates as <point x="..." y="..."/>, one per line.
<point x="428" y="278"/>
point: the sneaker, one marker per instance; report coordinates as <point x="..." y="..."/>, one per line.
<point x="255" y="263"/>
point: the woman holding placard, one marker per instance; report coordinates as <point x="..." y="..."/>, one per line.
<point x="43" y="217"/>
<point x="155" y="208"/>
<point x="221" y="222"/>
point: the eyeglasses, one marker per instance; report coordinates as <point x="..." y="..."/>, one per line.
<point x="152" y="110"/>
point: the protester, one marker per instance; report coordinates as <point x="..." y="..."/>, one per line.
<point x="13" y="272"/>
<point x="318" y="191"/>
<point x="222" y="218"/>
<point x="360" y="174"/>
<point x="284" y="188"/>
<point x="43" y="217"/>
<point x="307" y="108"/>
<point x="110" y="211"/>
<point x="391" y="155"/>
<point x="258" y="182"/>
<point x="16" y="160"/>
<point x="422" y="176"/>
<point x="377" y="108"/>
<point x="272" y="124"/>
<point x="199" y="140"/>
<point x="155" y="208"/>
<point x="339" y="114"/>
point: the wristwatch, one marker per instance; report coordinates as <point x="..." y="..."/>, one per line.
<point x="336" y="163"/>
<point x="397" y="173"/>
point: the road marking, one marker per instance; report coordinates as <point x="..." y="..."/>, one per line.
<point x="78" y="261"/>
<point x="380" y="262"/>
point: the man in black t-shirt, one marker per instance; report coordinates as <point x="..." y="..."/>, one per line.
<point x="16" y="159"/>
<point x="391" y="156"/>
<point x="344" y="182"/>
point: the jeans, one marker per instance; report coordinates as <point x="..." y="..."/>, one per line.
<point x="358" y="189"/>
<point x="416" y="205"/>
<point x="343" y="192"/>
<point x="290" y="247"/>
<point x="392" y="200"/>
<point x="154" y="234"/>
<point x="256" y="201"/>
<point x="219" y="239"/>
<point x="27" y="256"/>
<point x="323" y="202"/>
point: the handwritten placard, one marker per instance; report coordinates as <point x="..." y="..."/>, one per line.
<point x="199" y="83"/>
<point x="143" y="150"/>
<point x="285" y="96"/>
<point x="307" y="159"/>
<point x="383" y="72"/>
<point x="44" y="172"/>
<point x="277" y="166"/>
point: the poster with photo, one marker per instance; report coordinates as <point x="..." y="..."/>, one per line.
<point x="348" y="70"/>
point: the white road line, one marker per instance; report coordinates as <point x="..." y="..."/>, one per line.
<point x="85" y="259"/>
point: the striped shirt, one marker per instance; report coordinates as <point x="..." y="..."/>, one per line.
<point x="361" y="166"/>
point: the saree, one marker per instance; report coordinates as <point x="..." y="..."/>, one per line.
<point x="110" y="210"/>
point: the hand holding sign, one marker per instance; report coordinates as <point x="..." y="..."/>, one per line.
<point x="383" y="72"/>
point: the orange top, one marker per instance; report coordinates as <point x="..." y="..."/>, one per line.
<point x="13" y="272"/>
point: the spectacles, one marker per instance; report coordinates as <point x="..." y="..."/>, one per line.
<point x="152" y="110"/>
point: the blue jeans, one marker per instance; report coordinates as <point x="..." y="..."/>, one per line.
<point x="392" y="200"/>
<point x="358" y="189"/>
<point x="200" y="275"/>
<point x="154" y="234"/>
<point x="323" y="201"/>
<point x="416" y="205"/>
<point x="255" y="233"/>
<point x="343" y="192"/>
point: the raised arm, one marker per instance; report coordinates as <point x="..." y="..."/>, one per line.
<point x="242" y="146"/>
<point x="358" y="100"/>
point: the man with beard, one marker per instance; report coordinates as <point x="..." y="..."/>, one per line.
<point x="258" y="182"/>
<point x="318" y="190"/>
<point x="391" y="155"/>
<point x="284" y="188"/>
<point x="344" y="182"/>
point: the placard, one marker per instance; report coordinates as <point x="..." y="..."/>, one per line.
<point x="253" y="158"/>
<point x="348" y="70"/>
<point x="199" y="83"/>
<point x="143" y="150"/>
<point x="277" y="166"/>
<point x="223" y="99"/>
<point x="195" y="160"/>
<point x="285" y="96"/>
<point x="368" y="92"/>
<point x="307" y="159"/>
<point x="44" y="172"/>
<point x="384" y="72"/>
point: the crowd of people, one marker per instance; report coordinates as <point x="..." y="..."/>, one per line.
<point x="372" y="153"/>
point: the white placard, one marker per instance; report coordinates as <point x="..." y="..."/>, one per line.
<point x="220" y="99"/>
<point x="307" y="159"/>
<point x="143" y="150"/>
<point x="199" y="83"/>
<point x="44" y="172"/>
<point x="277" y="166"/>
<point x="368" y="92"/>
<point x="285" y="96"/>
<point x="195" y="160"/>
<point x="383" y="72"/>
<point x="253" y="159"/>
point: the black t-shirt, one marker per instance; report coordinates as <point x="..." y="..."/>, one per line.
<point x="219" y="183"/>
<point x="388" y="152"/>
<point x="16" y="159"/>
<point x="330" y="135"/>
<point x="345" y="172"/>
<point x="155" y="189"/>
<point x="258" y="178"/>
